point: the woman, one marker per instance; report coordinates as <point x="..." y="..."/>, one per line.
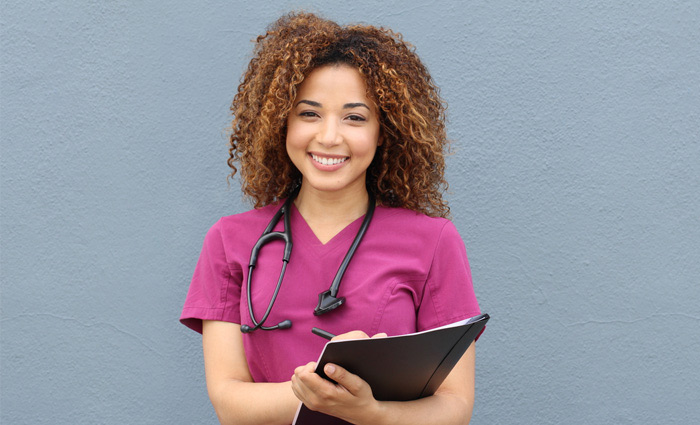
<point x="331" y="119"/>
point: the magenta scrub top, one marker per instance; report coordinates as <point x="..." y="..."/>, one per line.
<point x="410" y="273"/>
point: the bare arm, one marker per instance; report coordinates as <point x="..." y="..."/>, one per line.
<point x="234" y="395"/>
<point x="352" y="398"/>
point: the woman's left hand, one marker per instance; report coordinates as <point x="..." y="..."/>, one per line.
<point x="350" y="398"/>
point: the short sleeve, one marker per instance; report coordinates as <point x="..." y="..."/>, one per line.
<point x="448" y="296"/>
<point x="215" y="291"/>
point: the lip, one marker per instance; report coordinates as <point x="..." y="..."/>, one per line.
<point x="327" y="167"/>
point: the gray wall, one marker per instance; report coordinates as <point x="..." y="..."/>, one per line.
<point x="575" y="184"/>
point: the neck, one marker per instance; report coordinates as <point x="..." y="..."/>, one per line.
<point x="329" y="212"/>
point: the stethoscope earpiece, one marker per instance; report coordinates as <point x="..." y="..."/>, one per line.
<point x="285" y="324"/>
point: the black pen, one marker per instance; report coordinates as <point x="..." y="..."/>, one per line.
<point x="322" y="333"/>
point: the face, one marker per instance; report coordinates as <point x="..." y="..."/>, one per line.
<point x="333" y="130"/>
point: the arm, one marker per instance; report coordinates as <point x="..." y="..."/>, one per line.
<point x="352" y="398"/>
<point x="234" y="395"/>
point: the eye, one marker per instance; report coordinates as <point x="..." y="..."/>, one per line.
<point x="357" y="118"/>
<point x="308" y="114"/>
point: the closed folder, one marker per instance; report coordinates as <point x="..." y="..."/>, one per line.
<point x="398" y="368"/>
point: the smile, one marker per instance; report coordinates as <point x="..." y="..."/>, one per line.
<point x="328" y="161"/>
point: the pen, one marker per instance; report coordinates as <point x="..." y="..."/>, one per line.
<point x="322" y="333"/>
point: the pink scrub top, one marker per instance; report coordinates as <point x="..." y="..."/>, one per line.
<point x="410" y="273"/>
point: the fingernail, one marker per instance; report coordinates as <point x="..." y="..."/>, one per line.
<point x="330" y="369"/>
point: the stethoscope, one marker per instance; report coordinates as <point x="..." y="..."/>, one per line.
<point x="327" y="300"/>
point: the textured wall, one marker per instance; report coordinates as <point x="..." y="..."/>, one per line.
<point x="575" y="184"/>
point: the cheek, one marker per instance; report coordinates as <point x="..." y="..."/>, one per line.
<point x="369" y="145"/>
<point x="293" y="140"/>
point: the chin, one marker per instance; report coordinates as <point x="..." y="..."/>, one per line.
<point x="326" y="187"/>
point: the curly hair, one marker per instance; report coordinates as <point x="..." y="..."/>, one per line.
<point x="408" y="168"/>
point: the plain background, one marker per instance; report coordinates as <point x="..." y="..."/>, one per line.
<point x="575" y="184"/>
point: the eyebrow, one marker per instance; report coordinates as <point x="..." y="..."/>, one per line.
<point x="346" y="106"/>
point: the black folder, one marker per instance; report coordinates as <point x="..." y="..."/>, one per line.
<point x="397" y="368"/>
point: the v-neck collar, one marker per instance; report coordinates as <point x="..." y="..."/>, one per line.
<point x="302" y="233"/>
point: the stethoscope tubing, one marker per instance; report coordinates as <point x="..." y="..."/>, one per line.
<point x="267" y="236"/>
<point x="327" y="300"/>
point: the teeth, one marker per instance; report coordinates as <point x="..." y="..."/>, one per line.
<point x="328" y="161"/>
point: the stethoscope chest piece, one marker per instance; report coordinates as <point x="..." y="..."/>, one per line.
<point x="327" y="302"/>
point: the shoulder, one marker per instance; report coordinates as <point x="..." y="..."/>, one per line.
<point x="413" y="228"/>
<point x="252" y="218"/>
<point x="404" y="219"/>
<point x="236" y="229"/>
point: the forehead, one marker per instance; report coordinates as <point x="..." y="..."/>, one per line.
<point x="334" y="81"/>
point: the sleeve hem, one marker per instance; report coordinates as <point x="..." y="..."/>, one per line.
<point x="192" y="317"/>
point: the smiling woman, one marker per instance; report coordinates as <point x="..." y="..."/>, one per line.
<point x="333" y="132"/>
<point x="408" y="170"/>
<point x="330" y="121"/>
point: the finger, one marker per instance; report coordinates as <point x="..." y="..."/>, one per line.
<point x="307" y="378"/>
<point x="351" y="382"/>
<point x="350" y="335"/>
<point x="309" y="367"/>
<point x="380" y="335"/>
<point x="306" y="383"/>
<point x="302" y="374"/>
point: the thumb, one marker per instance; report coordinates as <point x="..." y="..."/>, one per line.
<point x="350" y="382"/>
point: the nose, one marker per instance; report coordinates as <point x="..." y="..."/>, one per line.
<point x="329" y="133"/>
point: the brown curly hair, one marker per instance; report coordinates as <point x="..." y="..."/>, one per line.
<point x="408" y="168"/>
